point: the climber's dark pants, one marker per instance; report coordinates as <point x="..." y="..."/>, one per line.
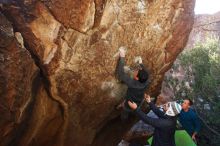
<point x="127" y="111"/>
<point x="135" y="144"/>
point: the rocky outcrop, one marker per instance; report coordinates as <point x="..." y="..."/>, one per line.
<point x="67" y="87"/>
<point x="205" y="27"/>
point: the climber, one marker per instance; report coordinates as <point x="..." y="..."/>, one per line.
<point x="136" y="85"/>
<point x="189" y="120"/>
<point x="164" y="125"/>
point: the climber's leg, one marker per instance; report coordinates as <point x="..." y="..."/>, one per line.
<point x="126" y="111"/>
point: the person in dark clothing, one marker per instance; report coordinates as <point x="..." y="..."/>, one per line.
<point x="136" y="85"/>
<point x="189" y="119"/>
<point x="165" y="125"/>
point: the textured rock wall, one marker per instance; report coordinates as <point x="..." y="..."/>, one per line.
<point x="64" y="88"/>
<point x="25" y="107"/>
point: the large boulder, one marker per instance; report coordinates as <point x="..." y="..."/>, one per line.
<point x="25" y="105"/>
<point x="17" y="73"/>
<point x="73" y="44"/>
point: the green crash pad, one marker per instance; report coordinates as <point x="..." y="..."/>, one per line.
<point x="182" y="138"/>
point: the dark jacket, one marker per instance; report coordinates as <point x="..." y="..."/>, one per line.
<point x="136" y="89"/>
<point x="164" y="126"/>
<point x="190" y="121"/>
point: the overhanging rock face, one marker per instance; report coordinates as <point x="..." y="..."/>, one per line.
<point x="72" y="43"/>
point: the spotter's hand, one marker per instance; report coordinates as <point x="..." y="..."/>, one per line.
<point x="147" y="98"/>
<point x="132" y="105"/>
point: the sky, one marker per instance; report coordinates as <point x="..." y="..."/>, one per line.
<point x="207" y="6"/>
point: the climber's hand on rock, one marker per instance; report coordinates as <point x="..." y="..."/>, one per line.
<point x="138" y="60"/>
<point x="132" y="105"/>
<point x="147" y="98"/>
<point x="122" y="51"/>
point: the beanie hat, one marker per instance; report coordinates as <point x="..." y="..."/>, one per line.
<point x="173" y="109"/>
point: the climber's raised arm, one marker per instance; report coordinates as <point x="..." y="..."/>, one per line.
<point x="121" y="73"/>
